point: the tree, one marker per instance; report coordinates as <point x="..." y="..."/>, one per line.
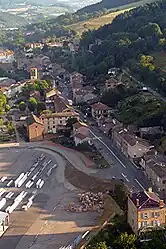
<point x="41" y="107"/>
<point x="98" y="245"/>
<point x="7" y="108"/>
<point x="11" y="128"/>
<point x="125" y="241"/>
<point x="70" y="122"/>
<point x="151" y="29"/>
<point x="22" y="106"/>
<point x="1" y="121"/>
<point x="32" y="104"/>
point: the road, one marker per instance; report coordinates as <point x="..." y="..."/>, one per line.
<point x="143" y="85"/>
<point x="121" y="166"/>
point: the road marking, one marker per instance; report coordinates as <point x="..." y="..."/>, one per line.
<point x="108" y="149"/>
<point x="125" y="177"/>
<point x="140" y="184"/>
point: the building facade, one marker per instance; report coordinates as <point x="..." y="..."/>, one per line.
<point x="130" y="145"/>
<point x="100" y="110"/>
<point x="145" y="209"/>
<point x="35" y="128"/>
<point x="55" y="122"/>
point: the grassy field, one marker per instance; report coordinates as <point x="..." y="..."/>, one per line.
<point x="96" y="23"/>
<point x="160" y="60"/>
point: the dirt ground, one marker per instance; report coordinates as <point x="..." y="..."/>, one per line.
<point x="87" y="182"/>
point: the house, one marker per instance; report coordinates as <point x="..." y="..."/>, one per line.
<point x="130" y="145"/>
<point x="111" y="83"/>
<point x="100" y="110"/>
<point x="80" y="138"/>
<point x="107" y="124"/>
<point x="35" y="94"/>
<point x="6" y="56"/>
<point x="54" y="122"/>
<point x="55" y="102"/>
<point x="145" y="209"/>
<point x="155" y="169"/>
<point x="76" y="81"/>
<point x="90" y="98"/>
<point x="81" y="133"/>
<point x="14" y="89"/>
<point x="35" y="128"/>
<point x="146" y="131"/>
<point x="83" y="96"/>
<point x="80" y="127"/>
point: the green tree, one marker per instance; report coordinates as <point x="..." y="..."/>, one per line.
<point x="151" y="29"/>
<point x="98" y="245"/>
<point x="32" y="104"/>
<point x="1" y="121"/>
<point x="11" y="128"/>
<point x="22" y="106"/>
<point x="125" y="241"/>
<point x="7" y="108"/>
<point x="41" y="107"/>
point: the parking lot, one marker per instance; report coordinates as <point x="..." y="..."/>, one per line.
<point x="36" y="202"/>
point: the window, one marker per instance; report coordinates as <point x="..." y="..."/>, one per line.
<point x="145" y="215"/>
<point x="155" y="214"/>
<point x="155" y="223"/>
<point x="53" y="126"/>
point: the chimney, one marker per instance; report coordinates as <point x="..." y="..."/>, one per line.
<point x="150" y="190"/>
<point x="137" y="202"/>
<point x="161" y="203"/>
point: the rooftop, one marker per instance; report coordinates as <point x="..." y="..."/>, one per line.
<point x="146" y="199"/>
<point x="100" y="106"/>
<point x="129" y="137"/>
<point x="33" y="119"/>
<point x="79" y="125"/>
<point x="63" y="114"/>
<point x="51" y="93"/>
<point x="81" y="136"/>
<point x="61" y="104"/>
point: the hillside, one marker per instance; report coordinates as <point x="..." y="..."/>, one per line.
<point x="8" y="20"/>
<point x="105" y="4"/>
<point x="95" y="23"/>
<point x="140" y="31"/>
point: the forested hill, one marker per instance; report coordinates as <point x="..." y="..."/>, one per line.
<point x="105" y="4"/>
<point x="139" y="31"/>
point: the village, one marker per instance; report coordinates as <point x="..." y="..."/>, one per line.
<point x="54" y="105"/>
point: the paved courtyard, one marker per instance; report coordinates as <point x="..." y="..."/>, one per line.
<point x="46" y="224"/>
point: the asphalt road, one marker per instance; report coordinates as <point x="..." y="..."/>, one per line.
<point x="121" y="167"/>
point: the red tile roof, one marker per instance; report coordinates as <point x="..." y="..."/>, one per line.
<point x="81" y="136"/>
<point x="100" y="106"/>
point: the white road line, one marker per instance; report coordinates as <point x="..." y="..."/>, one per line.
<point x="140" y="184"/>
<point x="108" y="149"/>
<point x="125" y="177"/>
